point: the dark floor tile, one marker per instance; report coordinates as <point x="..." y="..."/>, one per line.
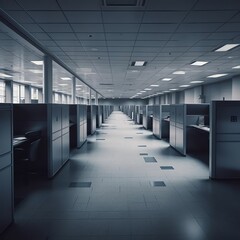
<point x="80" y="184"/>
<point x="166" y="167"/>
<point x="100" y="139"/>
<point x="128" y="137"/>
<point x="142" y="145"/>
<point x="150" y="159"/>
<point x="159" y="184"/>
<point x="143" y="154"/>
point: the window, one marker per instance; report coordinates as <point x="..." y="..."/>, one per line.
<point x="34" y="94"/>
<point x="2" y="92"/>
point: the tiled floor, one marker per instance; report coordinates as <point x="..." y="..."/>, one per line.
<point x="122" y="201"/>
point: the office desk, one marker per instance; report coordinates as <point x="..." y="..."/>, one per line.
<point x="203" y="128"/>
<point x="19" y="140"/>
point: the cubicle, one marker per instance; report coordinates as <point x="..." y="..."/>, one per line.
<point x="148" y="117"/>
<point x="52" y="120"/>
<point x="91" y="119"/>
<point x="99" y="116"/>
<point x="107" y="110"/>
<point x="161" y="120"/>
<point x="185" y="119"/>
<point x="225" y="139"/>
<point x="6" y="167"/>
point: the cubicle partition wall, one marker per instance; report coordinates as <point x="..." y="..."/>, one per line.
<point x="58" y="141"/>
<point x="99" y="115"/>
<point x="107" y="110"/>
<point x="91" y="119"/>
<point x="148" y="117"/>
<point x="185" y="117"/>
<point x="52" y="120"/>
<point x="6" y="167"/>
<point x="225" y="139"/>
<point x="161" y="121"/>
<point x="82" y="125"/>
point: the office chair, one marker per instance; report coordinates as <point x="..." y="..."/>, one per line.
<point x="26" y="159"/>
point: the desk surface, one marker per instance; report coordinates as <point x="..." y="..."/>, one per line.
<point x="204" y="128"/>
<point x="19" y="140"/>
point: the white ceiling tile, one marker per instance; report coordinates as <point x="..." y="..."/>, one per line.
<point x="48" y="16"/>
<point x="121" y="28"/>
<point x="189" y="36"/>
<point x="67" y="43"/>
<point x="90" y="36"/>
<point x="32" y="27"/>
<point x="180" y="43"/>
<point x="39" y="5"/>
<point x="120" y="49"/>
<point x="94" y="44"/>
<point x="150" y="43"/>
<point x="230" y="27"/>
<point x="122" y="17"/>
<point x="10" y="5"/>
<point x="41" y="36"/>
<point x="217" y="5"/>
<point x="80" y="5"/>
<point x="198" y="27"/>
<point x="120" y="54"/>
<point x="81" y="27"/>
<point x="121" y="36"/>
<point x="83" y="16"/>
<point x="208" y="16"/>
<point x="158" y="28"/>
<point x="48" y="43"/>
<point x="170" y="4"/>
<point x="147" y="49"/>
<point x="223" y="35"/>
<point x="72" y="48"/>
<point x="63" y="36"/>
<point x="56" y="27"/>
<point x="20" y="16"/>
<point x="155" y="36"/>
<point x="163" y="17"/>
<point x="120" y="43"/>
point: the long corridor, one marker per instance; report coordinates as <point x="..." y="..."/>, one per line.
<point x="126" y="184"/>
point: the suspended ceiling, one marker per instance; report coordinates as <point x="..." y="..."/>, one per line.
<point x="100" y="39"/>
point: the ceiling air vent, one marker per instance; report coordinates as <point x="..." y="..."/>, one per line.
<point x="123" y="3"/>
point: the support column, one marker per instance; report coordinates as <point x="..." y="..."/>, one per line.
<point x="27" y="94"/>
<point x="73" y="90"/>
<point x="48" y="79"/>
<point x="40" y="95"/>
<point x="9" y="91"/>
<point x="236" y="88"/>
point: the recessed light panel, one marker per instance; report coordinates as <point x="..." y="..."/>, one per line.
<point x="147" y="89"/>
<point x="5" y="75"/>
<point x="173" y="89"/>
<point x="139" y="63"/>
<point x="183" y="86"/>
<point x="37" y="62"/>
<point x="199" y="63"/>
<point x="66" y="78"/>
<point x="179" y="72"/>
<point x="196" y="82"/>
<point x="217" y="75"/>
<point x="166" y="79"/>
<point x="236" y="67"/>
<point x="226" y="47"/>
<point x="154" y="85"/>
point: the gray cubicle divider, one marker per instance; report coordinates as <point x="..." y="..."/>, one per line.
<point x="91" y="119"/>
<point x="178" y="127"/>
<point x="6" y="167"/>
<point x="82" y="125"/>
<point x="147" y="117"/>
<point x="225" y="139"/>
<point x="181" y="116"/>
<point x="99" y="116"/>
<point x="161" y="121"/>
<point x="58" y="140"/>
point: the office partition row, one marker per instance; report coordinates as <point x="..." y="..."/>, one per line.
<point x="99" y="116"/>
<point x="91" y="119"/>
<point x="107" y="110"/>
<point x="6" y="167"/>
<point x="148" y="117"/>
<point x="161" y="117"/>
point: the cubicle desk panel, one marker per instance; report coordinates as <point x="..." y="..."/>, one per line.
<point x="58" y="141"/>
<point x="164" y="124"/>
<point x="156" y="121"/>
<point x="177" y="127"/>
<point x="225" y="139"/>
<point x="6" y="167"/>
<point x="82" y="125"/>
<point x="145" y="114"/>
<point x="99" y="116"/>
<point x="91" y="119"/>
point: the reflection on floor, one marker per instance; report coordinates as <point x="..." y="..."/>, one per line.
<point x="107" y="191"/>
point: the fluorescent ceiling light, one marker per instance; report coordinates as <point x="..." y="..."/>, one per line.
<point x="166" y="91"/>
<point x="37" y="62"/>
<point x="196" y="81"/>
<point x="199" y="63"/>
<point x="139" y="93"/>
<point x="154" y="85"/>
<point x="226" y="47"/>
<point x="5" y="75"/>
<point x="134" y="71"/>
<point x="183" y="86"/>
<point x="78" y="85"/>
<point x="217" y="75"/>
<point x="236" y="67"/>
<point x="173" y="89"/>
<point x="35" y="71"/>
<point x="147" y="89"/>
<point x="179" y="72"/>
<point x="139" y="63"/>
<point x="66" y="78"/>
<point x="166" y="79"/>
<point x="62" y="84"/>
<point x="142" y="91"/>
